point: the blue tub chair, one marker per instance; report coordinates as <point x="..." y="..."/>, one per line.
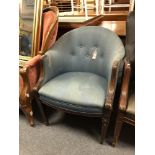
<point x="78" y="74"/>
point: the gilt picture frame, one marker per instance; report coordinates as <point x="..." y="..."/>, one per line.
<point x="30" y="20"/>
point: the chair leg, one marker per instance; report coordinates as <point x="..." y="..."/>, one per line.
<point x="118" y="127"/>
<point x="28" y="113"/>
<point x="105" y="122"/>
<point x="41" y="109"/>
<point x="25" y="106"/>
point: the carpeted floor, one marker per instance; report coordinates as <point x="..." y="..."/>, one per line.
<point x="71" y="135"/>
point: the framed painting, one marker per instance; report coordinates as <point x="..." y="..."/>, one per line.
<point x="30" y="18"/>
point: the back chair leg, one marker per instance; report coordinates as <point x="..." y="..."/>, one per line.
<point x="105" y="122"/>
<point x="117" y="131"/>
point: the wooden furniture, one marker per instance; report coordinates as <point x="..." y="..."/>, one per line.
<point x="29" y="68"/>
<point x="75" y="78"/>
<point x="119" y="27"/>
<point x="30" y="14"/>
<point x="71" y="22"/>
<point x="126" y="109"/>
<point x="24" y="97"/>
<point x="115" y="23"/>
<point x="49" y="28"/>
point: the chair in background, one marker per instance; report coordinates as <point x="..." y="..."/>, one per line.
<point x="79" y="74"/>
<point x="50" y="28"/>
<point x="30" y="71"/>
<point x="28" y="76"/>
<point x="126" y="109"/>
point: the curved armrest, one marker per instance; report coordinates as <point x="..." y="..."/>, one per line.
<point x="125" y="86"/>
<point x="31" y="71"/>
<point x="112" y="86"/>
<point x="33" y="62"/>
<point x="41" y="76"/>
<point x="24" y="92"/>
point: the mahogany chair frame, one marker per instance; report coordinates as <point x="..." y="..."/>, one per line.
<point x="26" y="95"/>
<point x="122" y="115"/>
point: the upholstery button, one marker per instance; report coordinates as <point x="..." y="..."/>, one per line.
<point x="101" y="55"/>
<point x="80" y="45"/>
<point x="72" y="53"/>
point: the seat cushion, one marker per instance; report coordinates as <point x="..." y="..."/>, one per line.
<point x="76" y="91"/>
<point x="131" y="105"/>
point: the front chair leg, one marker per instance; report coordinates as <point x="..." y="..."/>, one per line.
<point x="105" y="122"/>
<point x="28" y="113"/>
<point x="117" y="131"/>
<point x="41" y="109"/>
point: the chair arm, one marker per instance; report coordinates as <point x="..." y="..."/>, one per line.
<point x="125" y="86"/>
<point x="112" y="86"/>
<point x="33" y="62"/>
<point x="25" y="89"/>
<point x="32" y="72"/>
<point x="41" y="76"/>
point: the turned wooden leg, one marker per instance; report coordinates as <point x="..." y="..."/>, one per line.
<point x="105" y="122"/>
<point x="24" y="96"/>
<point x="41" y="109"/>
<point x="117" y="131"/>
<point x="25" y="104"/>
<point x="30" y="118"/>
<point x="27" y="110"/>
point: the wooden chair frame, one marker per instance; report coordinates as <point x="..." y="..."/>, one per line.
<point x="123" y="116"/>
<point x="26" y="95"/>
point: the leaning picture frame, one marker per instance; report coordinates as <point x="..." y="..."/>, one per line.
<point x="30" y="2"/>
<point x="26" y="9"/>
<point x="30" y="20"/>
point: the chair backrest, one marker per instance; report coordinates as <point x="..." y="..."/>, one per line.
<point x="130" y="41"/>
<point x="50" y="28"/>
<point x="86" y="49"/>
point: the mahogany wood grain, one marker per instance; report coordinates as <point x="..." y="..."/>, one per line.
<point x="122" y="115"/>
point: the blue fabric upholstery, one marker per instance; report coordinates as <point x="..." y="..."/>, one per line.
<point x="74" y="52"/>
<point x="77" y="69"/>
<point x="79" y="91"/>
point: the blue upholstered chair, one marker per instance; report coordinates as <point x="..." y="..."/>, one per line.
<point x="79" y="74"/>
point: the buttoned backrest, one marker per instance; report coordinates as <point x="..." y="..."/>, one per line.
<point x="85" y="49"/>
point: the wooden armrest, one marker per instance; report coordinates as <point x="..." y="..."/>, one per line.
<point x="41" y="77"/>
<point x="112" y="86"/>
<point x="29" y="72"/>
<point x="25" y="89"/>
<point x="33" y="62"/>
<point x="125" y="86"/>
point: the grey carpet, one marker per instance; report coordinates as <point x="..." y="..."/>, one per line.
<point x="71" y="135"/>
